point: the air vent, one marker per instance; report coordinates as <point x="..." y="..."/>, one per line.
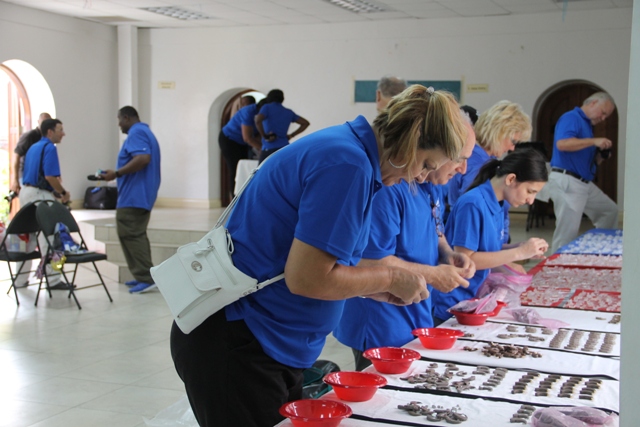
<point x="178" y="13"/>
<point x="111" y="19"/>
<point x="359" y="6"/>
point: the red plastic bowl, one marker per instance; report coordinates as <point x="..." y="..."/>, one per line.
<point x="315" y="413"/>
<point x="355" y="386"/>
<point x="391" y="360"/>
<point x="437" y="338"/>
<point x="471" y="319"/>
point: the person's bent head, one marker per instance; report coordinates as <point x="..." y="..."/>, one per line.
<point x="275" y="95"/>
<point x="127" y="117"/>
<point x="388" y="87"/>
<point x="459" y="165"/>
<point x="598" y="107"/>
<point x="519" y="176"/>
<point x="42" y="118"/>
<point x="247" y="100"/>
<point x="419" y="131"/>
<point x="470" y="112"/>
<point x="502" y="126"/>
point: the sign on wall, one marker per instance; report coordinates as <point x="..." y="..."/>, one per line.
<point x="365" y="90"/>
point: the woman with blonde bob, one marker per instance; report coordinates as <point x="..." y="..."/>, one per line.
<point x="307" y="213"/>
<point x="498" y="129"/>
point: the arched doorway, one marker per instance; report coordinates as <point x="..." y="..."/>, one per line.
<point x="232" y="107"/>
<point x="563" y="97"/>
<point x="24" y="94"/>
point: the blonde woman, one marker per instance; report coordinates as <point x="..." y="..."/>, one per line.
<point x="307" y="213"/>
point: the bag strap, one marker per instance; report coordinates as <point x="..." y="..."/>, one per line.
<point x="227" y="211"/>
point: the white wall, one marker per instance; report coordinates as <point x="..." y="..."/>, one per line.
<point x="78" y="59"/>
<point x="519" y="57"/>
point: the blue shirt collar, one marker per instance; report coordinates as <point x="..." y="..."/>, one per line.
<point x="582" y="115"/>
<point x="365" y="134"/>
<point x="483" y="155"/>
<point x="490" y="197"/>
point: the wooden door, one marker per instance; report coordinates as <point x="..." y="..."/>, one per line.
<point x="565" y="98"/>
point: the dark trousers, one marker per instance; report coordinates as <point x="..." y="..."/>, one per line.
<point x="266" y="153"/>
<point x="132" y="231"/>
<point x="232" y="153"/>
<point x="229" y="379"/>
<point x="361" y="361"/>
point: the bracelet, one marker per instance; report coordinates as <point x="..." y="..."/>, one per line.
<point x="63" y="193"/>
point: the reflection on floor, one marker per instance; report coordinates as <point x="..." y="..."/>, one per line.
<point x="109" y="363"/>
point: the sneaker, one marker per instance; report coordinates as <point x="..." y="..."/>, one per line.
<point x="131" y="283"/>
<point x="61" y="286"/>
<point x="142" y="287"/>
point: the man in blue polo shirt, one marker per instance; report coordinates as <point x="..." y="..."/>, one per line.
<point x="576" y="154"/>
<point x="138" y="174"/>
<point x="273" y="122"/>
<point x="41" y="180"/>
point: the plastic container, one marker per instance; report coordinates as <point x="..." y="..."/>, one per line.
<point x="437" y="338"/>
<point x="471" y="319"/>
<point x="315" y="413"/>
<point x="355" y="386"/>
<point x="391" y="360"/>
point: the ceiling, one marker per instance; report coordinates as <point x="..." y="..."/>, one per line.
<point x="234" y="13"/>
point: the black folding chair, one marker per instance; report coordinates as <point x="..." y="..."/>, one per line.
<point x="24" y="222"/>
<point x="49" y="213"/>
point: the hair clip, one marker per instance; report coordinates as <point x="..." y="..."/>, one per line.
<point x="430" y="90"/>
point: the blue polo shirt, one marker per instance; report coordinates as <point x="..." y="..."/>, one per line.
<point x="319" y="191"/>
<point x="459" y="184"/>
<point x="574" y="124"/>
<point x="245" y="116"/>
<point x="401" y="225"/>
<point x="476" y="223"/>
<point x="139" y="189"/>
<point x="50" y="162"/>
<point x="277" y="120"/>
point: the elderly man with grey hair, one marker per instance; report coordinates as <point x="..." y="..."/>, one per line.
<point x="388" y="87"/>
<point x="576" y="154"/>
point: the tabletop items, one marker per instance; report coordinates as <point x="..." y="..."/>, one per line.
<point x="506" y="369"/>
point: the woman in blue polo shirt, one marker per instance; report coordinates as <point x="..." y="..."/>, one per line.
<point x="307" y="213"/>
<point x="476" y="224"/>
<point x="406" y="232"/>
<point x="237" y="137"/>
<point x="273" y="122"/>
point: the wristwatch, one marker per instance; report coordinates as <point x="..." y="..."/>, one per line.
<point x="63" y="193"/>
<point x="118" y="174"/>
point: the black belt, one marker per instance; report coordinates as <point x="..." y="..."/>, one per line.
<point x="566" y="172"/>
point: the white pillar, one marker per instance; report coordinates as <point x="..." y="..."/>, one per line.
<point x="127" y="66"/>
<point x="630" y="371"/>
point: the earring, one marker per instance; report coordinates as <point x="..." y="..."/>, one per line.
<point x="397" y="167"/>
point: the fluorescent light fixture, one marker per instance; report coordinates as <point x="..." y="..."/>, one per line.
<point x="359" y="6"/>
<point x="178" y="13"/>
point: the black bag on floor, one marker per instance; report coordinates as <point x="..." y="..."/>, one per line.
<point x="100" y="198"/>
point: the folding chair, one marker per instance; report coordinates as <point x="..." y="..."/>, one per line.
<point x="24" y="222"/>
<point x="49" y="213"/>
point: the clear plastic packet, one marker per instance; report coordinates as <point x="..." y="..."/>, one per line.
<point x="532" y="317"/>
<point x="507" y="284"/>
<point x="573" y="417"/>
<point x="476" y="305"/>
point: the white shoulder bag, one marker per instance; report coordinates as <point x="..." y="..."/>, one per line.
<point x="200" y="279"/>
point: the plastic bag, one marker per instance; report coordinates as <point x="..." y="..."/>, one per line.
<point x="573" y="417"/>
<point x="532" y="317"/>
<point x="507" y="284"/>
<point x="476" y="305"/>
<point x="179" y="414"/>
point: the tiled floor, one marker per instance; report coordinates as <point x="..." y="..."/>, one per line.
<point x="109" y="363"/>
